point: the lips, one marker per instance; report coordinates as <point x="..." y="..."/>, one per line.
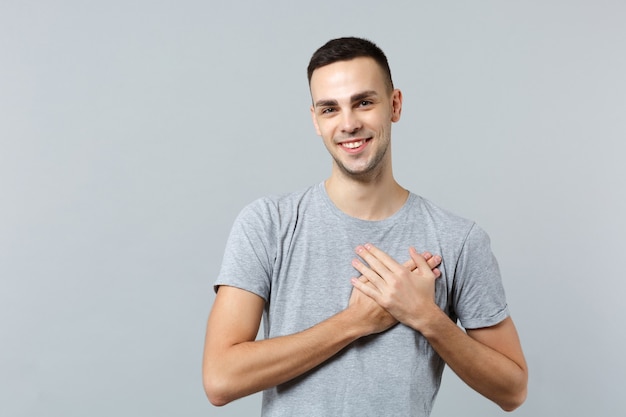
<point x="354" y="145"/>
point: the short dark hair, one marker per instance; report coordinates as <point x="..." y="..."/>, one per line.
<point x="345" y="49"/>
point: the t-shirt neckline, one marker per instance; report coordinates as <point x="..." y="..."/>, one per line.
<point x="321" y="189"/>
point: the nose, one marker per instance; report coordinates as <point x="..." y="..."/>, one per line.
<point x="350" y="123"/>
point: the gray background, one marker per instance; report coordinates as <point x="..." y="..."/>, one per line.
<point x="132" y="133"/>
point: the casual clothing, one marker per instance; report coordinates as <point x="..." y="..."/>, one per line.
<point x="295" y="251"/>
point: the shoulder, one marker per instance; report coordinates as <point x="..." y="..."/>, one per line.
<point x="276" y="206"/>
<point x="442" y="217"/>
<point x="449" y="226"/>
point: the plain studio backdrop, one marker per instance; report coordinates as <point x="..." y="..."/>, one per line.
<point x="133" y="132"/>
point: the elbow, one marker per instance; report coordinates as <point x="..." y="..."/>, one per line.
<point x="514" y="402"/>
<point x="217" y="401"/>
<point x="216" y="389"/>
<point x="516" y="396"/>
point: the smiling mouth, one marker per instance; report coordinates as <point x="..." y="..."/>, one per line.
<point x="355" y="144"/>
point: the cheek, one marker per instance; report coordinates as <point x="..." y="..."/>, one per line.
<point x="325" y="130"/>
<point x="384" y="129"/>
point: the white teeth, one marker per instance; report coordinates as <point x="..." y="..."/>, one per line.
<point x="352" y="145"/>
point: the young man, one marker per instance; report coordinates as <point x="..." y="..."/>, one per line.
<point x="373" y="345"/>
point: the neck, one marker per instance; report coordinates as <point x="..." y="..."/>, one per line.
<point x="374" y="199"/>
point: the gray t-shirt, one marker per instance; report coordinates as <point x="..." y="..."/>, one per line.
<point x="295" y="251"/>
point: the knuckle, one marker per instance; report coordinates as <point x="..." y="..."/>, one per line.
<point x="385" y="301"/>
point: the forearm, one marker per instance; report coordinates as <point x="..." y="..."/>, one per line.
<point x="490" y="360"/>
<point x="491" y="373"/>
<point x="244" y="368"/>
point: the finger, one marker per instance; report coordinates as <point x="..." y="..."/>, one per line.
<point x="421" y="263"/>
<point x="378" y="260"/>
<point x="410" y="264"/>
<point x="362" y="278"/>
<point x="365" y="287"/>
<point x="368" y="274"/>
<point x="365" y="281"/>
<point x="433" y="261"/>
<point x="373" y="262"/>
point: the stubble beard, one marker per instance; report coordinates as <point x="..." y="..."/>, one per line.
<point x="368" y="173"/>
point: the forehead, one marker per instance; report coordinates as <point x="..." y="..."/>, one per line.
<point x="343" y="79"/>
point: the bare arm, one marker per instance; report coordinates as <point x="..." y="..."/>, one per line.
<point x="236" y="365"/>
<point x="490" y="360"/>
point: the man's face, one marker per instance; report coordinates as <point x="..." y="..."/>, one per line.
<point x="352" y="111"/>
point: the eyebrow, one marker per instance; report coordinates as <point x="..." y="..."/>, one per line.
<point x="355" y="97"/>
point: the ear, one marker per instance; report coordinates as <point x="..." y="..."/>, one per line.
<point x="396" y="105"/>
<point x="317" y="128"/>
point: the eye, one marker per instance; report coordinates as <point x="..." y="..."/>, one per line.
<point x="365" y="103"/>
<point x="327" y="110"/>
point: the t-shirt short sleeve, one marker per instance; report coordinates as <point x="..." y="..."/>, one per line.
<point x="479" y="298"/>
<point x="250" y="250"/>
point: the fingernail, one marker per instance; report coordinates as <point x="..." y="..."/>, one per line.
<point x="368" y="246"/>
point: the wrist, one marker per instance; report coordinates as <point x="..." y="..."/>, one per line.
<point x="352" y="324"/>
<point x="429" y="320"/>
